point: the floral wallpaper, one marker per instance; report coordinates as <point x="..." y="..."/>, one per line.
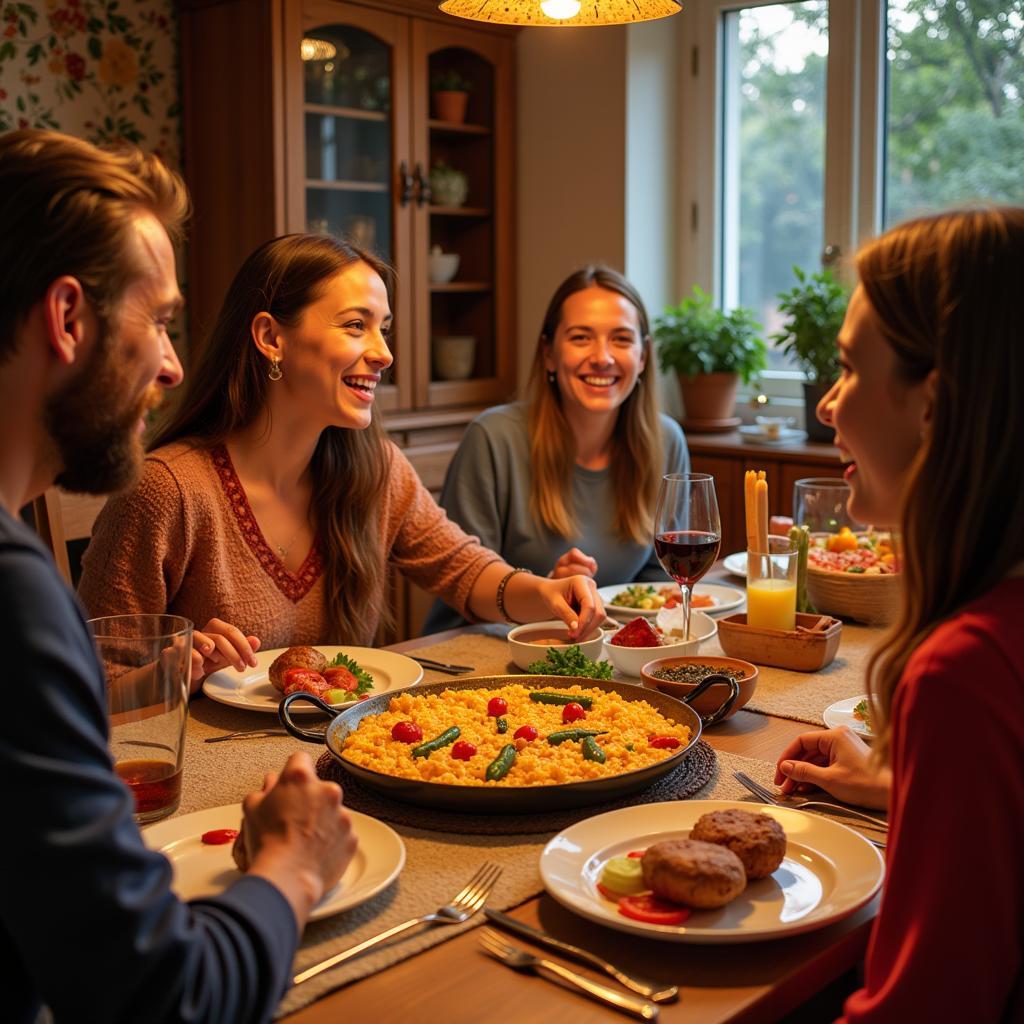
<point x="104" y="70"/>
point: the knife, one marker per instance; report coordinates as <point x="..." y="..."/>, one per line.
<point x="650" y="989"/>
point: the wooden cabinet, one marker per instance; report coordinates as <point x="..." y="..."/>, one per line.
<point x="311" y="115"/>
<point x="727" y="458"/>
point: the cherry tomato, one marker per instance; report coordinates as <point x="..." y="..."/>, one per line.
<point x="608" y="894"/>
<point x="665" y="742"/>
<point x="463" y="751"/>
<point x="652" y="910"/>
<point x="525" y="732"/>
<point x="304" y="680"/>
<point x="573" y="712"/>
<point x="638" y="854"/>
<point x="497" y="706"/>
<point x="407" y="732"/>
<point x="220" y="836"/>
<point x="340" y="678"/>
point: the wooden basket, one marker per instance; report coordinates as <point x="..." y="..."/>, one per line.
<point x="873" y="599"/>
<point x="801" y="650"/>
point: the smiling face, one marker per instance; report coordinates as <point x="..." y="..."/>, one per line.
<point x="333" y="358"/>
<point x="597" y="352"/>
<point x="879" y="418"/>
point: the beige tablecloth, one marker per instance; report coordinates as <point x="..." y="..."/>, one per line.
<point x="437" y="864"/>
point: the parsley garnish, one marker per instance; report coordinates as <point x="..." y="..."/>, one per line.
<point x="570" y="662"/>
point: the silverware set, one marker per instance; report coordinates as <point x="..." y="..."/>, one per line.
<point x="767" y="796"/>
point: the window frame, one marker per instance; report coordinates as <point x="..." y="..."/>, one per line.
<point x="854" y="140"/>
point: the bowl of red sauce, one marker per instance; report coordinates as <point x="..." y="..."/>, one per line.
<point x="640" y="641"/>
<point x="531" y="642"/>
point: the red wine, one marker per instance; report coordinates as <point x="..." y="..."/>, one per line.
<point x="686" y="554"/>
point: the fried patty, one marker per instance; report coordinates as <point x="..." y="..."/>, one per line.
<point x="295" y="657"/>
<point x="757" y="839"/>
<point x="239" y="853"/>
<point x="701" y="875"/>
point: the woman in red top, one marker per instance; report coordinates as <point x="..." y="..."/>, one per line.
<point x="929" y="420"/>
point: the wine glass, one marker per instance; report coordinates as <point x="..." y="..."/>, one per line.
<point x="687" y="531"/>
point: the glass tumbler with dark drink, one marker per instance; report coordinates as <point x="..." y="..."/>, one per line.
<point x="148" y="661"/>
<point x="687" y="531"/>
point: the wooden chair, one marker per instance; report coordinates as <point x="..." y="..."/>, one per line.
<point x="61" y="518"/>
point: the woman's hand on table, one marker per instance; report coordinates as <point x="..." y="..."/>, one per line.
<point x="297" y="834"/>
<point x="218" y="645"/>
<point x="574" y="563"/>
<point x="837" y="761"/>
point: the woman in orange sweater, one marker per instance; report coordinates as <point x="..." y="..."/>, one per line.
<point x="272" y="503"/>
<point x="930" y="423"/>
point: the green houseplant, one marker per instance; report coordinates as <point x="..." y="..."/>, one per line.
<point x="711" y="351"/>
<point x="814" y="309"/>
<point x="449" y="92"/>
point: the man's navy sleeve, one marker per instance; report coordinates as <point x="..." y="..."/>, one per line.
<point x="88" y="924"/>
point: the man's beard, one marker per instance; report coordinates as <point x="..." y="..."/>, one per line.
<point x="95" y="435"/>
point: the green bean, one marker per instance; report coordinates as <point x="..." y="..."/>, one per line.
<point x="426" y="749"/>
<point x="502" y="764"/>
<point x="502" y="724"/>
<point x="573" y="735"/>
<point x="591" y="751"/>
<point x="541" y="697"/>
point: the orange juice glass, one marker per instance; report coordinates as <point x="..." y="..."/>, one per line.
<point x="771" y="586"/>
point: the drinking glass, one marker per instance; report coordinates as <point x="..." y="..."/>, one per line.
<point x="819" y="503"/>
<point x="148" y="661"/>
<point x="687" y="531"/>
<point x="771" y="586"/>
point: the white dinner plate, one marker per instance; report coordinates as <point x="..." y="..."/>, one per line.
<point x="736" y="563"/>
<point x="252" y="690"/>
<point x="725" y="597"/>
<point x="841" y="713"/>
<point x="201" y="870"/>
<point x="828" y="872"/>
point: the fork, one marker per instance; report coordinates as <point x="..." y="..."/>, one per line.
<point x="520" y="960"/>
<point x="244" y="734"/>
<point x="770" y="798"/>
<point x="461" y="907"/>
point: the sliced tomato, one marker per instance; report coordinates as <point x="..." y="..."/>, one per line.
<point x="608" y="894"/>
<point x="636" y="853"/>
<point x="220" y="836"/>
<point x="652" y="910"/>
<point x="339" y="678"/>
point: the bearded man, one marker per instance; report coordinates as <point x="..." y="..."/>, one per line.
<point x="88" y="925"/>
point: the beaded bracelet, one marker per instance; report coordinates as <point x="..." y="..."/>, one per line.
<point x="500" y="599"/>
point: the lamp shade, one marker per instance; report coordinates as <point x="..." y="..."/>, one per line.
<point x="554" y="13"/>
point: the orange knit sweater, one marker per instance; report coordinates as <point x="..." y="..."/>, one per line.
<point x="184" y="541"/>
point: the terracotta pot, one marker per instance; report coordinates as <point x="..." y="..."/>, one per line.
<point x="450" y="106"/>
<point x="709" y="396"/>
<point x="816" y="430"/>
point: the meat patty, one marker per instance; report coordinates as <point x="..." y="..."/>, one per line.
<point x="239" y="854"/>
<point x="701" y="875"/>
<point x="295" y="657"/>
<point x="757" y="839"/>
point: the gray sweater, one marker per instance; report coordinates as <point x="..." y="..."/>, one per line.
<point x="487" y="492"/>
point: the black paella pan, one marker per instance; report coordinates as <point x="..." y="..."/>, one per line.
<point x="495" y="799"/>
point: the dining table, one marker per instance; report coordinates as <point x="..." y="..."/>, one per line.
<point x="444" y="975"/>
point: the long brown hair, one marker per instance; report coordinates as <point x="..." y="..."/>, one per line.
<point x="636" y="458"/>
<point x="227" y="390"/>
<point x="946" y="292"/>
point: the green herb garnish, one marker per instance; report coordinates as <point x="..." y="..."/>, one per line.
<point x="570" y="661"/>
<point x="363" y="677"/>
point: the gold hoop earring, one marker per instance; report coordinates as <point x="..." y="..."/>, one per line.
<point x="275" y="373"/>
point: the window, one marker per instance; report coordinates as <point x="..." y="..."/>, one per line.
<point x="811" y="125"/>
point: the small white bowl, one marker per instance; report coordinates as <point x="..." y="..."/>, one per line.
<point x="524" y="653"/>
<point x="630" y="660"/>
<point x="442" y="266"/>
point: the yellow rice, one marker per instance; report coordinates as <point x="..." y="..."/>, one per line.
<point x="538" y="763"/>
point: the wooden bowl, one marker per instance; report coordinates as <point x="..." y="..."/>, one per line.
<point x="802" y="651"/>
<point x="706" y="703"/>
<point x="871" y="599"/>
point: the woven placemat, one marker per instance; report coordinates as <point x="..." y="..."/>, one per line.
<point x="693" y="774"/>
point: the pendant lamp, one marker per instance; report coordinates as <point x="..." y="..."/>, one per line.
<point x="560" y="12"/>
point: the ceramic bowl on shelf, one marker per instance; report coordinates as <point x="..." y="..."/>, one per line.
<point x="442" y="266"/>
<point x="531" y="642"/>
<point x="631" y="660"/>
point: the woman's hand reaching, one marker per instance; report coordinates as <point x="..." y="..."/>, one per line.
<point x="574" y="600"/>
<point x="574" y="563"/>
<point x="837" y="761"/>
<point x="218" y="645"/>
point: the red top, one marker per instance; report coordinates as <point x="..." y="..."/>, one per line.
<point x="948" y="943"/>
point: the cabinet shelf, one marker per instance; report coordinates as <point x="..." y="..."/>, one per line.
<point x="459" y="211"/>
<point x="347" y="186"/>
<point x="461" y="286"/>
<point x="352" y="113"/>
<point x="454" y="128"/>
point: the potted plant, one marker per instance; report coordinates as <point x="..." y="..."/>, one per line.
<point x="814" y="308"/>
<point x="448" y="186"/>
<point x="711" y="351"/>
<point x="450" y="94"/>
